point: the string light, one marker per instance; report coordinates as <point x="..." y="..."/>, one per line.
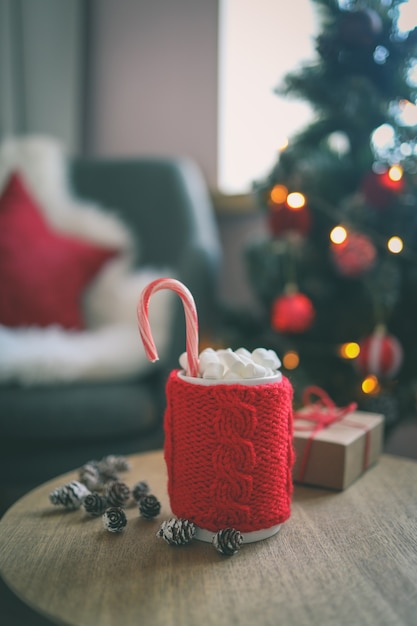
<point x="349" y="350"/>
<point x="279" y="194"/>
<point x="296" y="200"/>
<point x="395" y="245"/>
<point x="395" y="173"/>
<point x="284" y="145"/>
<point x="338" y="235"/>
<point x="370" y="385"/>
<point x="290" y="360"/>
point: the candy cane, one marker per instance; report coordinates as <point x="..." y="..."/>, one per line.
<point x="191" y="321"/>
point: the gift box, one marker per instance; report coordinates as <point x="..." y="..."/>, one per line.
<point x="334" y="446"/>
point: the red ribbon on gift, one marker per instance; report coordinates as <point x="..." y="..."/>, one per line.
<point x="322" y="414"/>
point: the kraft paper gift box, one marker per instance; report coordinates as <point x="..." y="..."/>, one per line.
<point x="335" y="452"/>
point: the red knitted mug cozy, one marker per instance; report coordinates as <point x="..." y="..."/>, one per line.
<point x="228" y="451"/>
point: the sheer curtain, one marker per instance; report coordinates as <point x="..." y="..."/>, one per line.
<point x="42" y="48"/>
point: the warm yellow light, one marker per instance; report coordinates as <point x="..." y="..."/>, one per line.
<point x="395" y="173"/>
<point x="290" y="360"/>
<point x="370" y="385"/>
<point x="279" y="194"/>
<point x="296" y="200"/>
<point x="395" y="245"/>
<point x="349" y="350"/>
<point x="338" y="234"/>
<point x="283" y="146"/>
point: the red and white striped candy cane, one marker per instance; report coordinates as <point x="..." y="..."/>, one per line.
<point x="191" y="321"/>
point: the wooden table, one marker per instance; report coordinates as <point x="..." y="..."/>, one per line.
<point x="342" y="558"/>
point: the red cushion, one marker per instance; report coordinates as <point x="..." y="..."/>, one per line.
<point x="43" y="273"/>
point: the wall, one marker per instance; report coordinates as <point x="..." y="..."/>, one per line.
<point x="41" y="73"/>
<point x="153" y="79"/>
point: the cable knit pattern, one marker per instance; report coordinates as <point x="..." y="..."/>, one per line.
<point x="228" y="450"/>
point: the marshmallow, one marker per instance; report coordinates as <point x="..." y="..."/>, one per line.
<point x="213" y="370"/>
<point x="266" y="358"/>
<point x="249" y="370"/>
<point x="241" y="364"/>
<point x="244" y="353"/>
<point x="183" y="361"/>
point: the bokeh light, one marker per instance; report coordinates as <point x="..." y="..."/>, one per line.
<point x="279" y="194"/>
<point x="290" y="360"/>
<point x="395" y="244"/>
<point x="349" y="350"/>
<point x="295" y="200"/>
<point x="338" y="234"/>
<point x="370" y="385"/>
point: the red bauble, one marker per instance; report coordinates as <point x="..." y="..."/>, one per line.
<point x="381" y="354"/>
<point x="354" y="256"/>
<point x="292" y="313"/>
<point x="379" y="190"/>
<point x="282" y="219"/>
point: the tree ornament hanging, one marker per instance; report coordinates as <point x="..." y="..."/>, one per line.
<point x="381" y="354"/>
<point x="380" y="189"/>
<point x="354" y="256"/>
<point x="292" y="312"/>
<point x="283" y="219"/>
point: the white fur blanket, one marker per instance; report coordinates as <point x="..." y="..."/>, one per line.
<point x="110" y="348"/>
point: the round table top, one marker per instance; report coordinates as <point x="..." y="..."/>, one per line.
<point x="342" y="558"/>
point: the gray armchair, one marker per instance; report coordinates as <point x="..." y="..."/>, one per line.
<point x="48" y="430"/>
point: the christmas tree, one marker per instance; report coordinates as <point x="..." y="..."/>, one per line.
<point x="337" y="276"/>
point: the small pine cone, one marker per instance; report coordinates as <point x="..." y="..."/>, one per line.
<point x="139" y="490"/>
<point x="95" y="504"/>
<point x="70" y="496"/>
<point x="107" y="473"/>
<point x="227" y="541"/>
<point x="177" y="532"/>
<point x="149" y="506"/>
<point x="117" y="493"/>
<point x="114" y="519"/>
<point x="89" y="475"/>
<point x="115" y="463"/>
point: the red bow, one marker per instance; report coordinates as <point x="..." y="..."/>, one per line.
<point x="322" y="414"/>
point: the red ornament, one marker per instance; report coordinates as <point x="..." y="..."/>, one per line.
<point x="292" y="312"/>
<point x="380" y="190"/>
<point x="283" y="219"/>
<point x="354" y="256"/>
<point x="380" y="354"/>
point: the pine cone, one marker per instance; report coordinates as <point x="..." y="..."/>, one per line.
<point x="89" y="475"/>
<point x="114" y="519"/>
<point x="177" y="532"/>
<point x="95" y="504"/>
<point x="107" y="472"/>
<point x="70" y="496"/>
<point x="139" y="490"/>
<point x="115" y="463"/>
<point x="117" y="493"/>
<point x="227" y="541"/>
<point x="149" y="506"/>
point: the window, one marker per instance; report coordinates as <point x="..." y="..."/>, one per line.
<point x="259" y="42"/>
